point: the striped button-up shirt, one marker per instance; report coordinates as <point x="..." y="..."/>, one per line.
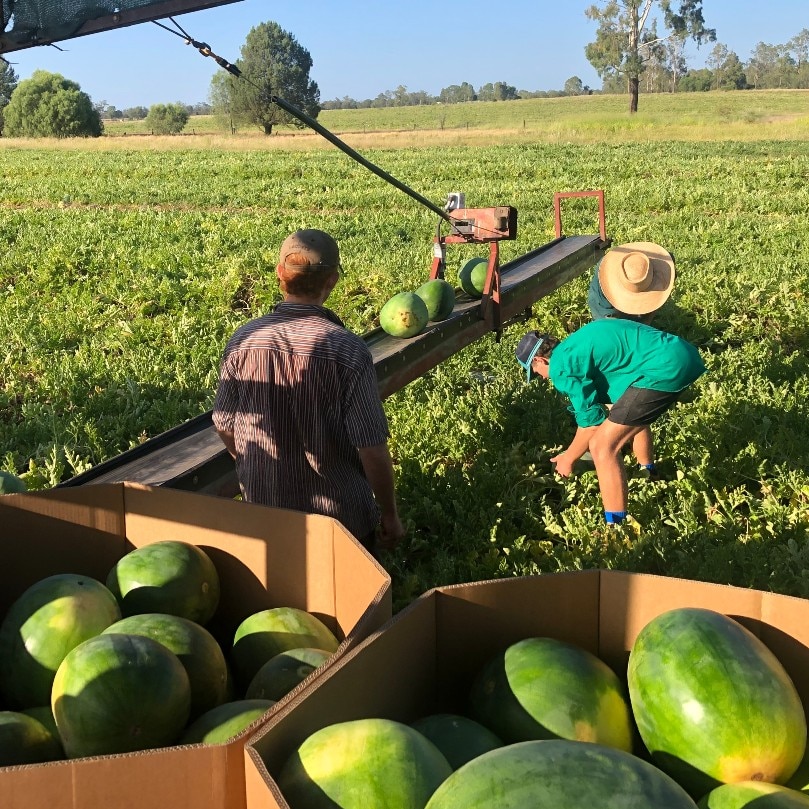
<point x="299" y="393"/>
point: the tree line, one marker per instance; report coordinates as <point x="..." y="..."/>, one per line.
<point x="628" y="54"/>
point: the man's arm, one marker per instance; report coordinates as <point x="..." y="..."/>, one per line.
<point x="229" y="440"/>
<point x="378" y="468"/>
<point x="578" y="446"/>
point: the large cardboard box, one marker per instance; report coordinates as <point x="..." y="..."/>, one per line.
<point x="265" y="558"/>
<point x="424" y="660"/>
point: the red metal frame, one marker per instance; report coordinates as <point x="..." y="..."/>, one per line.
<point x="557" y="210"/>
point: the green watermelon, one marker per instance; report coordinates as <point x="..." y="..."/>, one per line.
<point x="221" y="724"/>
<point x="404" y="315"/>
<point x="754" y="795"/>
<point x="542" y="688"/>
<point x="459" y="738"/>
<point x="361" y="764"/>
<point x="11" y="484"/>
<point x="439" y="296"/>
<point x="198" y="651"/>
<point x="472" y="276"/>
<point x="25" y="740"/>
<point x="712" y="703"/>
<point x="263" y="635"/>
<point x="44" y="714"/>
<point x="172" y="577"/>
<point x="50" y="618"/>
<point x="559" y="774"/>
<point x="119" y="694"/>
<point x="280" y="674"/>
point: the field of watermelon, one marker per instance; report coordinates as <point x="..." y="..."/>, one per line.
<point x="125" y="266"/>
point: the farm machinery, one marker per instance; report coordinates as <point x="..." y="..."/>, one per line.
<point x="191" y="456"/>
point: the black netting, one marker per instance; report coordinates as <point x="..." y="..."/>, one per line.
<point x="37" y="22"/>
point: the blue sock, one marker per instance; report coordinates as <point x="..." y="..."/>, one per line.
<point x="650" y="466"/>
<point x="614" y="517"/>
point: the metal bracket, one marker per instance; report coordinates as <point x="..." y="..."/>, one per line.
<point x="557" y="210"/>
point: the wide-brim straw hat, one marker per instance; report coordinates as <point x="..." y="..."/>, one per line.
<point x="637" y="277"/>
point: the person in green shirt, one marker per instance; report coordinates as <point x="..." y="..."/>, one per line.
<point x="639" y="370"/>
<point x="632" y="282"/>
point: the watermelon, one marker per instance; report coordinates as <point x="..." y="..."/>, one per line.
<point x="559" y="774"/>
<point x="11" y="484"/>
<point x="198" y="651"/>
<point x="172" y="577"/>
<point x="224" y="722"/>
<point x="53" y="616"/>
<point x="361" y="764"/>
<point x="439" y="296"/>
<point x="263" y="635"/>
<point x="25" y="740"/>
<point x="404" y="315"/>
<point x="280" y="674"/>
<point x="542" y="688"/>
<point x="119" y="694"/>
<point x="712" y="703"/>
<point x="755" y="795"/>
<point x="472" y="276"/>
<point x="459" y="738"/>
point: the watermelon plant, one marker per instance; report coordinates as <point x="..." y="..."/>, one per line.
<point x="117" y="296"/>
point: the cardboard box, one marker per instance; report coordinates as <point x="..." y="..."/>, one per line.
<point x="425" y="659"/>
<point x="265" y="558"/>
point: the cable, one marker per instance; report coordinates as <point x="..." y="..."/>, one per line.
<point x="205" y="50"/>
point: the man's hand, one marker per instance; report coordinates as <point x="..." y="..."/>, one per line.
<point x="391" y="532"/>
<point x="564" y="464"/>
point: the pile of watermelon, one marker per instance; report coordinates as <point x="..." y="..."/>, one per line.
<point x="706" y="717"/>
<point x="407" y="314"/>
<point x="90" y="668"/>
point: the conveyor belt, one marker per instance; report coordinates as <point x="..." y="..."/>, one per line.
<point x="191" y="456"/>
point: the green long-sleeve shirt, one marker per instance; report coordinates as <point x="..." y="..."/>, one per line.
<point x="596" y="364"/>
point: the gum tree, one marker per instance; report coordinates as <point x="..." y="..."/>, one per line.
<point x="627" y="39"/>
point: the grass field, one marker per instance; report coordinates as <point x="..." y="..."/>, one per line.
<point x="129" y="260"/>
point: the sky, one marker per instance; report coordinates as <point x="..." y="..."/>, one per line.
<point x="361" y="48"/>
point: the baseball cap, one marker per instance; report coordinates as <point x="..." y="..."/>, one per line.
<point x="527" y="349"/>
<point x="310" y="249"/>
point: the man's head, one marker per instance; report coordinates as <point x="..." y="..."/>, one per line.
<point x="309" y="264"/>
<point x="533" y="352"/>
<point x="637" y="278"/>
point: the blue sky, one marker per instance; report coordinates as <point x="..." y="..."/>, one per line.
<point x="361" y="48"/>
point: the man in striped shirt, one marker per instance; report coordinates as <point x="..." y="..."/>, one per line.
<point x="298" y="406"/>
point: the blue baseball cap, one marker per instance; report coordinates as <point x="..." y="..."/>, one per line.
<point x="527" y="349"/>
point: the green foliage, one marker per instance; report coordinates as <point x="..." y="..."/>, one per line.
<point x="50" y="106"/>
<point x="117" y="296"/>
<point x="166" y="119"/>
<point x="8" y="82"/>
<point x="273" y="64"/>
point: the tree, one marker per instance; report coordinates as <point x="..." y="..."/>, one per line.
<point x="136" y="113"/>
<point x="627" y="37"/>
<point x="273" y="65"/>
<point x="728" y="73"/>
<point x="8" y="83"/>
<point x="457" y="93"/>
<point x="167" y="119"/>
<point x="50" y="106"/>
<point x="697" y="81"/>
<point x="574" y="86"/>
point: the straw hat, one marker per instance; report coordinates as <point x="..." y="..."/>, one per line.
<point x="637" y="278"/>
